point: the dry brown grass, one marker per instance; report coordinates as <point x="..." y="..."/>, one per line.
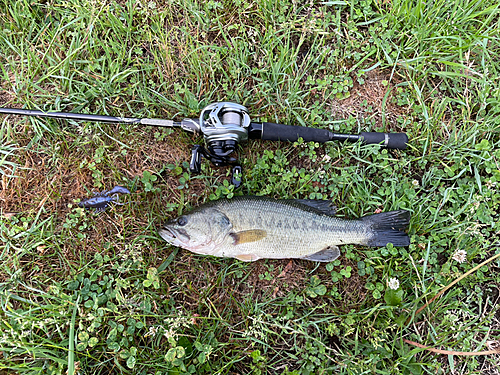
<point x="377" y="86"/>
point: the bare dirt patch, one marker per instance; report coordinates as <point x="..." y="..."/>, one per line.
<point x="51" y="178"/>
<point x="7" y="97"/>
<point x="55" y="181"/>
<point x="367" y="100"/>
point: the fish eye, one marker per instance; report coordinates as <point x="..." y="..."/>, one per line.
<point x="182" y="221"/>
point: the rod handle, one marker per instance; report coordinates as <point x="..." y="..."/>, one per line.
<point x="290" y="133"/>
<point x="390" y="140"/>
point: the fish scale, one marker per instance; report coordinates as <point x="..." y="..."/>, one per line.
<point x="250" y="228"/>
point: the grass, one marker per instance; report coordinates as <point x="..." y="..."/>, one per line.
<point x="91" y="293"/>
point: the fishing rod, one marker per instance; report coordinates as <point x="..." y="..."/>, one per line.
<point x="224" y="125"/>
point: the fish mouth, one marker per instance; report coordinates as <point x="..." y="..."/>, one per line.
<point x="167" y="234"/>
<point x="172" y="236"/>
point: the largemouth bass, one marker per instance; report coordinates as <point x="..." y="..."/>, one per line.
<point x="250" y="228"/>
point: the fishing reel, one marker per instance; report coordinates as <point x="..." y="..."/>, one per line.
<point x="223" y="126"/>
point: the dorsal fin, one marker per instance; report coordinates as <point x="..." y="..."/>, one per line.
<point x="323" y="206"/>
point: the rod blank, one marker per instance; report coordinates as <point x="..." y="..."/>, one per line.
<point x="70" y="116"/>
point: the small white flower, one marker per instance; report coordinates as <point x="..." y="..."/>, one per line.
<point x="490" y="184"/>
<point x="152" y="331"/>
<point x="415" y="183"/>
<point x="460" y="256"/>
<point x="393" y="283"/>
<point x="25" y="333"/>
<point x="169" y="333"/>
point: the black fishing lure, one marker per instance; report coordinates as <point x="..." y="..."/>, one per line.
<point x="100" y="201"/>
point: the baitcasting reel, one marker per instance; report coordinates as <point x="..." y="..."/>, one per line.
<point x="223" y="126"/>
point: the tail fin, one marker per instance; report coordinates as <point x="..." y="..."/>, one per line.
<point x="388" y="227"/>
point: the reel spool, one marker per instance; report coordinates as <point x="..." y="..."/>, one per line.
<point x="223" y="125"/>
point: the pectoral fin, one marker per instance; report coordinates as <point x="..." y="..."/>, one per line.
<point x="326" y="255"/>
<point x="248" y="236"/>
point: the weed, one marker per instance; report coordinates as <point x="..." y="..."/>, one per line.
<point x="148" y="179"/>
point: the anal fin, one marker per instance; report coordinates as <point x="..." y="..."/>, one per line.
<point x="247" y="257"/>
<point x="326" y="255"/>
